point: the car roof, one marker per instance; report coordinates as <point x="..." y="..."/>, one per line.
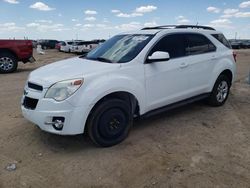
<point x="175" y="29"/>
<point x="155" y="31"/>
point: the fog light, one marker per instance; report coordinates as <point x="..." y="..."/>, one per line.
<point x="57" y="123"/>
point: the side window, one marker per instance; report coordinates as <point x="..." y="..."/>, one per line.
<point x="222" y="39"/>
<point x="173" y="44"/>
<point x="198" y="44"/>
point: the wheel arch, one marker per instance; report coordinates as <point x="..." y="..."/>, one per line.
<point x="123" y="95"/>
<point x="227" y="73"/>
<point x="224" y="66"/>
<point x="5" y="50"/>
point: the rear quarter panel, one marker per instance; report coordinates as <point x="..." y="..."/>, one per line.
<point x="225" y="62"/>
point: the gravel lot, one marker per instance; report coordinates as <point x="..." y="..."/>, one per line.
<point x="193" y="146"/>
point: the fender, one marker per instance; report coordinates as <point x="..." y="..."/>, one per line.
<point x="98" y="87"/>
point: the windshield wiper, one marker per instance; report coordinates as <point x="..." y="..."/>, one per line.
<point x="103" y="59"/>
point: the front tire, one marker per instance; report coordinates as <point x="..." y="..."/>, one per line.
<point x="8" y="63"/>
<point x="220" y="91"/>
<point x="110" y="122"/>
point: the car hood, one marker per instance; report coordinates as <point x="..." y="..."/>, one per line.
<point x="69" y="69"/>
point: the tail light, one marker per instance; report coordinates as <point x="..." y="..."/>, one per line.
<point x="235" y="56"/>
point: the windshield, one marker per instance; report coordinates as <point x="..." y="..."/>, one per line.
<point x="120" y="48"/>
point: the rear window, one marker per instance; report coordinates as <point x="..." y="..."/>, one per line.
<point x="70" y="43"/>
<point x="222" y="39"/>
<point x="199" y="44"/>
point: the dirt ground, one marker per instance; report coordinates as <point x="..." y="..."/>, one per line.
<point x="193" y="146"/>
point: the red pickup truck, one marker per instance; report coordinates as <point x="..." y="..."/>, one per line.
<point x="13" y="51"/>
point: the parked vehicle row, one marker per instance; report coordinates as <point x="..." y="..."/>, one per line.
<point x="239" y="44"/>
<point x="47" y="44"/>
<point x="83" y="47"/>
<point x="78" y="46"/>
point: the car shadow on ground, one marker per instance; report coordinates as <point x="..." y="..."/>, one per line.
<point x="141" y="123"/>
<point x="78" y="143"/>
<point x="22" y="70"/>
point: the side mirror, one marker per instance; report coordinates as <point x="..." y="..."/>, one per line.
<point x="158" y="56"/>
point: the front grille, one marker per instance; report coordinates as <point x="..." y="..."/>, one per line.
<point x="30" y="103"/>
<point x="35" y="86"/>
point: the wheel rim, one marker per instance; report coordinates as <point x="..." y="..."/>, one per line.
<point x="222" y="91"/>
<point x="6" y="63"/>
<point x="112" y="123"/>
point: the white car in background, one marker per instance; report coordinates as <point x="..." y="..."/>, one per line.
<point x="84" y="46"/>
<point x="66" y="45"/>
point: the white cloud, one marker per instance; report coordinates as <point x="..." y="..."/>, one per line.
<point x="145" y="9"/>
<point x="245" y="4"/>
<point x="213" y="9"/>
<point x="32" y="24"/>
<point x="44" y="21"/>
<point x="242" y="15"/>
<point x="236" y="14"/>
<point x="90" y="19"/>
<point x="74" y="20"/>
<point x="12" y="1"/>
<point x="115" y="11"/>
<point x="105" y="20"/>
<point x="129" y="26"/>
<point x="150" y="24"/>
<point x="227" y="16"/>
<point x="78" y="25"/>
<point x="44" y="27"/>
<point x="10" y="27"/>
<point x="41" y="6"/>
<point x="90" y="12"/>
<point x="231" y="11"/>
<point x="101" y="25"/>
<point x="124" y="15"/>
<point x="221" y="23"/>
<point x="88" y="25"/>
<point x="140" y="11"/>
<point x="182" y="20"/>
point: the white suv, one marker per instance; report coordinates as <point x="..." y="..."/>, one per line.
<point x="132" y="74"/>
<point x="84" y="47"/>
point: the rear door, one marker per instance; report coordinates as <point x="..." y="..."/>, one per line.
<point x="201" y="58"/>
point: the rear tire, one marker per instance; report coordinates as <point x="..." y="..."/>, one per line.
<point x="110" y="122"/>
<point x="220" y="91"/>
<point x="8" y="63"/>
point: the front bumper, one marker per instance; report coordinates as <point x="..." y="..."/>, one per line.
<point x="47" y="109"/>
<point x="30" y="59"/>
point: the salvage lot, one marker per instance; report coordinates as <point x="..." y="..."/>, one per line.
<point x="193" y="146"/>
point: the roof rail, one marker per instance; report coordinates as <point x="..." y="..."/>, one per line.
<point x="160" y="27"/>
<point x="179" y="27"/>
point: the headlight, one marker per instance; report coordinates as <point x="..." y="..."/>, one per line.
<point x="62" y="90"/>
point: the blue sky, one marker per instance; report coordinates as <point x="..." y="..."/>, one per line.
<point x="91" y="19"/>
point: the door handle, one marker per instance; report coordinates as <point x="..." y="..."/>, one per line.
<point x="184" y="65"/>
<point x="214" y="58"/>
